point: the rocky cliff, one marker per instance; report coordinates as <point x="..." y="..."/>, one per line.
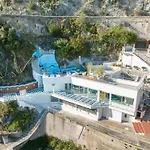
<point x="77" y="7"/>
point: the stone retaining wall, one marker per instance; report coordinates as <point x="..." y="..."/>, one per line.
<point x="38" y="24"/>
<point x="80" y="134"/>
<point x="17" y="88"/>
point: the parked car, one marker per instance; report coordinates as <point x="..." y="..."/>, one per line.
<point x="128" y="67"/>
<point x="136" y="67"/>
<point x="144" y="69"/>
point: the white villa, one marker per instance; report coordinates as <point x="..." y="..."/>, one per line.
<point x="117" y="95"/>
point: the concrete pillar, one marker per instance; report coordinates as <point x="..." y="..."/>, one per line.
<point x="134" y="104"/>
<point x="109" y="98"/>
<point x="87" y="91"/>
<point x="98" y="95"/>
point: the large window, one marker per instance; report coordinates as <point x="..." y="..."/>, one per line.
<point x="90" y="93"/>
<point x="122" y="100"/>
<point x="91" y="111"/>
<point x="53" y="99"/>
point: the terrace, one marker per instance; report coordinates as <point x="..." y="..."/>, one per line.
<point x="80" y="100"/>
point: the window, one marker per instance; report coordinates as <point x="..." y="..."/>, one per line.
<point x="129" y="101"/>
<point x="122" y="100"/>
<point x="69" y="86"/>
<point x="53" y="99"/>
<point x="66" y="86"/>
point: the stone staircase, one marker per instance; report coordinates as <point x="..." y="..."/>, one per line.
<point x="147" y="114"/>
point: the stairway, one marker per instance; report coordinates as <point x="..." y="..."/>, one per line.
<point x="142" y="127"/>
<point x="138" y="128"/>
<point x="147" y="114"/>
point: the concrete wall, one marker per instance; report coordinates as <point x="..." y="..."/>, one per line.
<point x="67" y="129"/>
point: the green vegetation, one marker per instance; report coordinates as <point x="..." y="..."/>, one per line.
<point x="113" y="40"/>
<point x="51" y="4"/>
<point x="31" y="5"/>
<point x="70" y="38"/>
<point x="89" y="67"/>
<point x="100" y="71"/>
<point x="13" y="118"/>
<point x="51" y="143"/>
<point x="75" y="37"/>
<point x="15" y="54"/>
<point x="54" y="30"/>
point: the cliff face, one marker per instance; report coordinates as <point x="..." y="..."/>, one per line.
<point x="76" y="7"/>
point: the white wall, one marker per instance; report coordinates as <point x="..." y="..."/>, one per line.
<point x="56" y="105"/>
<point x="112" y="114"/>
<point x="115" y="115"/>
<point x="41" y="99"/>
<point x="139" y="98"/>
<point x="59" y="83"/>
<point x="125" y="119"/>
<point x="79" y="112"/>
<point x="38" y="78"/>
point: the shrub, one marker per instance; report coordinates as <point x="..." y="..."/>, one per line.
<point x="54" y="30"/>
<point x="32" y="6"/>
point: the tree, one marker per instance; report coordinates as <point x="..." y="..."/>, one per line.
<point x="116" y="37"/>
<point x="3" y="33"/>
<point x="89" y="67"/>
<point x="3" y="109"/>
<point x="12" y="106"/>
<point x="54" y="29"/>
<point x="63" y="48"/>
<point x="31" y="5"/>
<point x="80" y="46"/>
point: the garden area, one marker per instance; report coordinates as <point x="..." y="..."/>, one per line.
<point x="51" y="143"/>
<point x="14" y="118"/>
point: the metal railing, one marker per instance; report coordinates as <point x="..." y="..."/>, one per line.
<point x="144" y="57"/>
